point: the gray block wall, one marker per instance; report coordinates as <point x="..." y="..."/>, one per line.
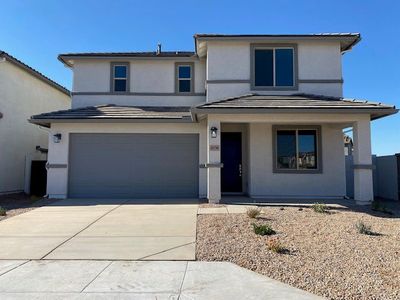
<point x="386" y="176"/>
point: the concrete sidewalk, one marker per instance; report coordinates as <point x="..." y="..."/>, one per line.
<point x="50" y="279"/>
<point x="101" y="229"/>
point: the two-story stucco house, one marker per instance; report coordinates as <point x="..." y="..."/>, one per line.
<point x="259" y="115"/>
<point x="23" y="92"/>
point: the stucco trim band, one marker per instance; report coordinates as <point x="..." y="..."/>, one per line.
<point x="224" y="81"/>
<point x="320" y="81"/>
<point x="364" y="166"/>
<point x="212" y="165"/>
<point x="56" y="166"/>
<point x="135" y="94"/>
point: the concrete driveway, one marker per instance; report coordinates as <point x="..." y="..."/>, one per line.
<point x="101" y="229"/>
<point x="71" y="279"/>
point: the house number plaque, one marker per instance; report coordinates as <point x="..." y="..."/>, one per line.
<point x="214" y="147"/>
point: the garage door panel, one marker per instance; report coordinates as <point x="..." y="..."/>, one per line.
<point x="133" y="165"/>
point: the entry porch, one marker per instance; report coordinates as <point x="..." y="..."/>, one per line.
<point x="286" y="156"/>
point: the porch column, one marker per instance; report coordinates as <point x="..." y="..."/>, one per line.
<point x="213" y="161"/>
<point x="362" y="163"/>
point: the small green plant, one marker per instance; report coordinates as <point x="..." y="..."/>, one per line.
<point x="363" y="228"/>
<point x="263" y="229"/>
<point x="378" y="206"/>
<point x="253" y="212"/>
<point x="320" y="208"/>
<point x="275" y="246"/>
<point x="3" y="211"/>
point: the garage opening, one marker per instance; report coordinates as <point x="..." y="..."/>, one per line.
<point x="133" y="166"/>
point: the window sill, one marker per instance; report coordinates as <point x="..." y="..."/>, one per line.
<point x="186" y="93"/>
<point x="274" y="88"/>
<point x="119" y="93"/>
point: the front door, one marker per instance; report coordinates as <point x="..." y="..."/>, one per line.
<point x="231" y="157"/>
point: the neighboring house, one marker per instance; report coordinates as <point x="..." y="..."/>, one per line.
<point x="348" y="145"/>
<point x="260" y="115"/>
<point x="23" y="92"/>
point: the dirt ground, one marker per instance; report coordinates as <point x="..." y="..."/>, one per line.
<point x="325" y="254"/>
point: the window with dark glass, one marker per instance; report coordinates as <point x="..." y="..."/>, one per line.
<point x="184" y="79"/>
<point x="120" y="78"/>
<point x="286" y="149"/>
<point x="274" y="67"/>
<point x="296" y="149"/>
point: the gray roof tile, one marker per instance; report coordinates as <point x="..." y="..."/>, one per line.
<point x="115" y="112"/>
<point x="308" y="101"/>
<point x="252" y="102"/>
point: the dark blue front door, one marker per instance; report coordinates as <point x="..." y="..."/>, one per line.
<point x="231" y="157"/>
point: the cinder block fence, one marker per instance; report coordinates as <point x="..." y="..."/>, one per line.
<point x="386" y="175"/>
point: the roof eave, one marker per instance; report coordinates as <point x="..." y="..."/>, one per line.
<point x="65" y="58"/>
<point x="355" y="37"/>
<point x="65" y="63"/>
<point x="47" y="122"/>
<point x="375" y="113"/>
<point x="35" y="73"/>
<point x="349" y="47"/>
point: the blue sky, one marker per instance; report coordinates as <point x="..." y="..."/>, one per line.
<point x="37" y="31"/>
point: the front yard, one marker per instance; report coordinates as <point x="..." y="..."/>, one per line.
<point x="324" y="253"/>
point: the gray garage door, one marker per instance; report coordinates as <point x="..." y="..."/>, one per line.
<point x="133" y="166"/>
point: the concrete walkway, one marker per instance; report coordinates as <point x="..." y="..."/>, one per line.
<point x="59" y="279"/>
<point x="101" y="229"/>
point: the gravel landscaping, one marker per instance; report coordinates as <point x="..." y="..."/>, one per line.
<point x="323" y="252"/>
<point x="19" y="203"/>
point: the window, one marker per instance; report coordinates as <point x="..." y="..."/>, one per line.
<point x="119" y="77"/>
<point x="273" y="67"/>
<point x="297" y="149"/>
<point x="184" y="78"/>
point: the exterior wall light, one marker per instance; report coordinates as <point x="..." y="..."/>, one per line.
<point x="214" y="132"/>
<point x="57" y="138"/>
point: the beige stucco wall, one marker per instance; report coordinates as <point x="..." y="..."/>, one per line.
<point x="132" y="100"/>
<point x="264" y="182"/>
<point x="225" y="60"/>
<point x="22" y="95"/>
<point x="230" y="60"/>
<point x="146" y="77"/>
<point x="259" y="179"/>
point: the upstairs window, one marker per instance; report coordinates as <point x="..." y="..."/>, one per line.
<point x="297" y="149"/>
<point x="273" y="67"/>
<point x="120" y="77"/>
<point x="184" y="78"/>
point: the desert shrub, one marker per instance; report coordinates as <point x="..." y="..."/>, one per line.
<point x="320" y="208"/>
<point x="3" y="211"/>
<point x="253" y="212"/>
<point x="378" y="206"/>
<point x="363" y="228"/>
<point x="275" y="245"/>
<point x="263" y="229"/>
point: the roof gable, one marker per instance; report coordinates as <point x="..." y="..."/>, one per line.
<point x="34" y="72"/>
